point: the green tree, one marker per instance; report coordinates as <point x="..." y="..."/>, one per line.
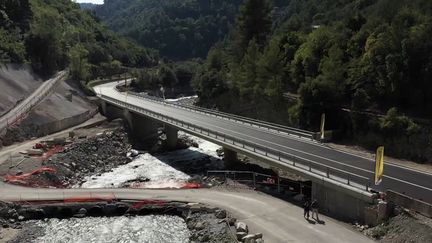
<point x="79" y="66"/>
<point x="253" y="23"/>
<point x="245" y="76"/>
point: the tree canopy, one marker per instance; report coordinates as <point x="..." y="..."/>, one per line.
<point x="178" y="29"/>
<point x="53" y="34"/>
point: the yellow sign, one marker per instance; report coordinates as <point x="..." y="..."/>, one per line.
<point x="379" y="167"/>
<point x="322" y="127"/>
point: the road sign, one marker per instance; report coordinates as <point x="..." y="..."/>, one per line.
<point x="379" y="166"/>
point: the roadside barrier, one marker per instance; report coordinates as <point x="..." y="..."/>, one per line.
<point x="302" y="164"/>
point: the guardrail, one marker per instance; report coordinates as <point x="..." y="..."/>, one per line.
<point x="256" y="179"/>
<point x="18" y="114"/>
<point x="241" y="119"/>
<point x="301" y="164"/>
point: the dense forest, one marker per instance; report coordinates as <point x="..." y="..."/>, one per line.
<point x="54" y="34"/>
<point x="365" y="63"/>
<point x="179" y="29"/>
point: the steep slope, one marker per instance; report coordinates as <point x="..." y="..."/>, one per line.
<point x="178" y="29"/>
<point x="12" y="92"/>
<point x="364" y="63"/>
<point x="54" y="34"/>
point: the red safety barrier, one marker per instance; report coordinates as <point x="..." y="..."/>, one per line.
<point x="145" y="202"/>
<point x="23" y="177"/>
<point x="48" y="154"/>
<point x="191" y="186"/>
<point x="89" y="199"/>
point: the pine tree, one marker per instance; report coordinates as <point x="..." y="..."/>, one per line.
<point x="253" y="22"/>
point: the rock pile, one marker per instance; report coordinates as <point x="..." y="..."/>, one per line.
<point x="9" y="217"/>
<point x="92" y="156"/>
<point x="208" y="225"/>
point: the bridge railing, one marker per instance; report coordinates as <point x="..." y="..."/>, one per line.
<point x="299" y="163"/>
<point x="240" y="119"/>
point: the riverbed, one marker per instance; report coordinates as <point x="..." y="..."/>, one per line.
<point x="157" y="171"/>
<point x="151" y="228"/>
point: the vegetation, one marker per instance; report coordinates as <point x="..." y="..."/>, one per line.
<point x="365" y="63"/>
<point x="179" y="29"/>
<point x="55" y="34"/>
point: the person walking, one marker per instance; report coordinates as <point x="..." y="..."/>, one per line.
<point x="306" y="208"/>
<point x="314" y="206"/>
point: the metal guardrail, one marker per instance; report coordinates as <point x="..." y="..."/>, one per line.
<point x="256" y="178"/>
<point x="241" y="119"/>
<point x="16" y="115"/>
<point x="302" y="164"/>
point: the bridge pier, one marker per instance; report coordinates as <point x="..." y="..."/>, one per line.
<point x="230" y="157"/>
<point x="143" y="128"/>
<point x="340" y="205"/>
<point x="171" y="136"/>
<point x="102" y="107"/>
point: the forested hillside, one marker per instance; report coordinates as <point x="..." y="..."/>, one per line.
<point x="352" y="59"/>
<point x="54" y="34"/>
<point x="179" y="29"/>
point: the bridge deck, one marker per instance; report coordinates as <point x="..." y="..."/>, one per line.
<point x="401" y="179"/>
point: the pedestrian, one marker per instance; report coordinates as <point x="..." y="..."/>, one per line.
<point x="306" y="208"/>
<point x="314" y="206"/>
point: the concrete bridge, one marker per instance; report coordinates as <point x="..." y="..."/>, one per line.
<point x="340" y="181"/>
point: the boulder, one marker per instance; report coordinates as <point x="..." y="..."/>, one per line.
<point x="220" y="214"/>
<point x="241" y="227"/>
<point x="258" y="236"/>
<point x="240" y="235"/>
<point x="249" y="239"/>
<point x="232" y="221"/>
<point x="199" y="226"/>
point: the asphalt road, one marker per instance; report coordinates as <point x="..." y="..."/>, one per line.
<point x="401" y="179"/>
<point x="278" y="220"/>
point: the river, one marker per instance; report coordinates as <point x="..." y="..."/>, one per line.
<point x="149" y="228"/>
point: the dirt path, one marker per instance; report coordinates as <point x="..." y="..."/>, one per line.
<point x="11" y="151"/>
<point x="279" y="221"/>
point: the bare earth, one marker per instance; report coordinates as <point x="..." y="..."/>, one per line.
<point x="11" y="161"/>
<point x="8" y="234"/>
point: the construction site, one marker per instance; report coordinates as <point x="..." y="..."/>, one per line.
<point x="186" y="193"/>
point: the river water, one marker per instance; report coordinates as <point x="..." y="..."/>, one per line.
<point x="152" y="229"/>
<point x="157" y="170"/>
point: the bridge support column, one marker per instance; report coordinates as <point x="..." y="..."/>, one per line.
<point x="338" y="204"/>
<point x="230" y="157"/>
<point x="102" y="107"/>
<point x="143" y="129"/>
<point x="128" y="119"/>
<point x="111" y="112"/>
<point x="171" y="136"/>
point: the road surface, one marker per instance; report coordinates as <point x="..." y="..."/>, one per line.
<point x="278" y="220"/>
<point x="401" y="179"/>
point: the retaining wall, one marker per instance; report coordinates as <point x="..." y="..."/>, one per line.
<point x="59" y="125"/>
<point x="410" y="203"/>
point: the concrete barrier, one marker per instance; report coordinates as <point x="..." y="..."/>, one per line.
<point x="409" y="203"/>
<point x="59" y="125"/>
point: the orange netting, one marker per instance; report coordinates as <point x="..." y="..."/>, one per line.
<point x="54" y="150"/>
<point x="22" y="178"/>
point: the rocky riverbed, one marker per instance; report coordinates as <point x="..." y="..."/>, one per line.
<point x="140" y="221"/>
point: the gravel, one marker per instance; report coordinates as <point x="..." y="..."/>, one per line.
<point x="402" y="228"/>
<point x="207" y="227"/>
<point x="95" y="155"/>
